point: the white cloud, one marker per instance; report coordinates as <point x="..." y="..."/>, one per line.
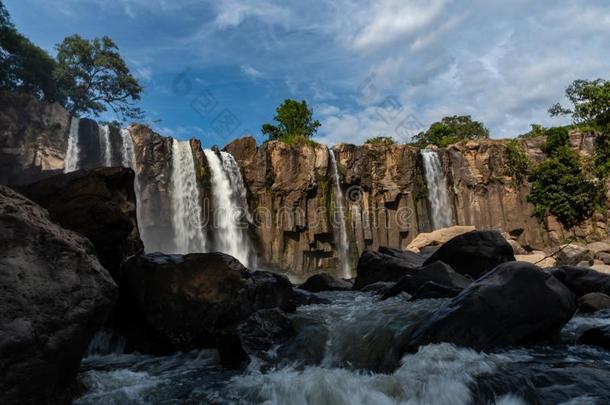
<point x="251" y="72"/>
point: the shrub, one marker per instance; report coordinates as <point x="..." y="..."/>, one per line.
<point x="516" y="163"/>
<point x="380" y="140"/>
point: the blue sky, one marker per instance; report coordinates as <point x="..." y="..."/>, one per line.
<point x="218" y="69"/>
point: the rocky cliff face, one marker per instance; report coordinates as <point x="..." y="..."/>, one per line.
<point x="291" y="188"/>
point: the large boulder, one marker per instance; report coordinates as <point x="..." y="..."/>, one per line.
<point x="593" y="302"/>
<point x="572" y="254"/>
<point x="582" y="280"/>
<point x="434" y="290"/>
<point x="474" y="253"/>
<point x="54" y="295"/>
<point x="174" y="302"/>
<point x="514" y="304"/>
<point x="375" y="266"/>
<point x="437" y="237"/>
<point x="325" y="282"/>
<point x="437" y="272"/>
<point x="598" y="336"/>
<point x="99" y="204"/>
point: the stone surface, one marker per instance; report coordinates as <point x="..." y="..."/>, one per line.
<point x="437" y="272"/>
<point x="514" y="304"/>
<point x="474" y="253"/>
<point x="431" y="289"/>
<point x="598" y="247"/>
<point x="99" y="204"/>
<point x="539" y="259"/>
<point x="174" y="302"/>
<point x="602" y="268"/>
<point x="437" y="237"/>
<point x="599" y="337"/>
<point x="582" y="280"/>
<point x="325" y="282"/>
<point x="54" y="296"/>
<point x="375" y="266"/>
<point x="604" y="257"/>
<point x="573" y="254"/>
<point x="593" y="302"/>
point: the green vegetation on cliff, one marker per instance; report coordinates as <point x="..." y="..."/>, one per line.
<point x="295" y="123"/>
<point x="380" y="140"/>
<point x="516" y="163"/>
<point x="451" y="130"/>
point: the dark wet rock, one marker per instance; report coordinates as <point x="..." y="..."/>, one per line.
<point x="431" y="289"/>
<point x="413" y="258"/>
<point x="325" y="282"/>
<point x="54" y="295"/>
<point x="593" y="302"/>
<point x="375" y="266"/>
<point x="427" y="251"/>
<point x="174" y="302"/>
<point x="437" y="272"/>
<point x="599" y="336"/>
<point x="378" y="287"/>
<point x="514" y="304"/>
<point x="582" y="280"/>
<point x="302" y="297"/>
<point x="99" y="204"/>
<point x="263" y="329"/>
<point x="474" y="253"/>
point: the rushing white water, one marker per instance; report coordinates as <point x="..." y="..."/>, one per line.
<point x="104" y="131"/>
<point x="128" y="156"/>
<point x="229" y="193"/>
<point x="339" y="220"/>
<point x="186" y="204"/>
<point x="73" y="152"/>
<point x="438" y="192"/>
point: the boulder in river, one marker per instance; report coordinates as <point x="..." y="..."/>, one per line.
<point x="593" y="302"/>
<point x="376" y="266"/>
<point x="99" y="204"/>
<point x="474" y="253"/>
<point x="434" y="290"/>
<point x="598" y="336"/>
<point x="175" y="302"/>
<point x="582" y="280"/>
<point x="437" y="272"/>
<point x="325" y="282"/>
<point x="54" y="295"/>
<point x="514" y="304"/>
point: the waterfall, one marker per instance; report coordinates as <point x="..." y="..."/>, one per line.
<point x="72" y="154"/>
<point x="186" y="204"/>
<point x="230" y="206"/>
<point x="438" y="192"/>
<point x="128" y="157"/>
<point x="339" y="219"/>
<point x="104" y="131"/>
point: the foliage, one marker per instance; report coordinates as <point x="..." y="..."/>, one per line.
<point x="380" y="140"/>
<point x="590" y="102"/>
<point x="24" y="66"/>
<point x="294" y="122"/>
<point x="516" y="163"/>
<point x="93" y="77"/>
<point x="536" y="131"/>
<point x="555" y="138"/>
<point x="451" y="130"/>
<point x="560" y="187"/>
<point x="601" y="156"/>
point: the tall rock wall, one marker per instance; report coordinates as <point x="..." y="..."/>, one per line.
<point x="291" y="188"/>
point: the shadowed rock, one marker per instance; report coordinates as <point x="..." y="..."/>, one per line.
<point x="325" y="282"/>
<point x="431" y="289"/>
<point x="582" y="280"/>
<point x="375" y="266"/>
<point x="599" y="337"/>
<point x="474" y="253"/>
<point x="54" y="295"/>
<point x="593" y="302"/>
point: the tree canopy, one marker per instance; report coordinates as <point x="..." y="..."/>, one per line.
<point x="451" y="130"/>
<point x="590" y="102"/>
<point x="380" y="140"/>
<point x="294" y="120"/>
<point x="93" y="77"/>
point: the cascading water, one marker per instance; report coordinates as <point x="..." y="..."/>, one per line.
<point x="186" y="206"/>
<point x="104" y="131"/>
<point x="438" y="192"/>
<point x="128" y="157"/>
<point x="73" y="152"/>
<point x="339" y="220"/>
<point x="229" y="197"/>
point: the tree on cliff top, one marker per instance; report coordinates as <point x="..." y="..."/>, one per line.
<point x="590" y="102"/>
<point x="24" y="66"/>
<point x="93" y="77"/>
<point x="295" y="121"/>
<point x="451" y="130"/>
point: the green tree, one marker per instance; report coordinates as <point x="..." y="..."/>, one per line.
<point x="556" y="138"/>
<point x="24" y="66"/>
<point x="94" y="77"/>
<point x="601" y="156"/>
<point x="516" y="162"/>
<point x="294" y="120"/>
<point x="559" y="185"/>
<point x="380" y="140"/>
<point x="590" y="102"/>
<point x="451" y="130"/>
